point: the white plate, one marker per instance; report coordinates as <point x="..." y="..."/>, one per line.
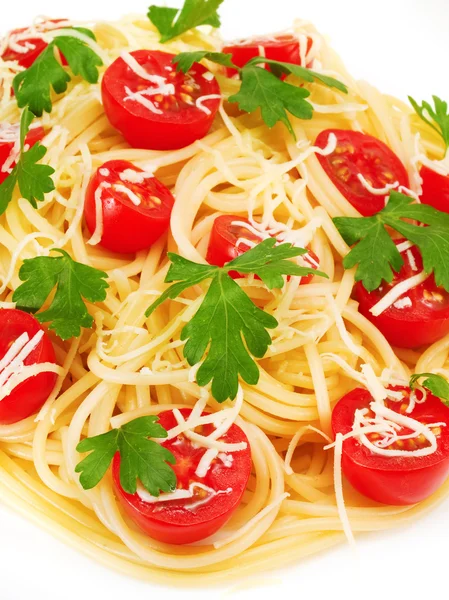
<point x="401" y="46"/>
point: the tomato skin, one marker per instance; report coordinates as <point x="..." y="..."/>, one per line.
<point x="174" y="128"/>
<point x="126" y="227"/>
<point x="360" y="153"/>
<point x="421" y="324"/>
<point x="34" y="135"/>
<point x="284" y="48"/>
<point x="392" y="480"/>
<point x="435" y="189"/>
<point x="30" y="395"/>
<point x="223" y="247"/>
<point x="175" y="524"/>
<point x="26" y="59"/>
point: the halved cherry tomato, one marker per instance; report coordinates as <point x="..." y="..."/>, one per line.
<point x="435" y="189"/>
<point x="180" y="521"/>
<point x="227" y="242"/>
<point x="127" y="225"/>
<point x="423" y="322"/>
<point x="30" y="395"/>
<point x="284" y="48"/>
<point x="174" y="110"/>
<point x="32" y="46"/>
<point x="361" y="154"/>
<point x="394" y="480"/>
<point x="9" y="143"/>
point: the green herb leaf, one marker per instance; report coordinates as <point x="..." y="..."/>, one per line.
<point x="376" y="254"/>
<point x="264" y="89"/>
<point x="437" y="118"/>
<point x="282" y="68"/>
<point x="171" y="22"/>
<point x="140" y="458"/>
<point x="261" y="89"/>
<point x="73" y="281"/>
<point x="228" y="327"/>
<point x="436" y="384"/>
<point x="184" y="61"/>
<point x="34" y="179"/>
<point x="33" y="86"/>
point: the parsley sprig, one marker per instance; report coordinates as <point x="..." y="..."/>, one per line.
<point x="172" y="22"/>
<point x="228" y="327"/>
<point x="264" y="89"/>
<point x="33" y="86"/>
<point x="34" y="179"/>
<point x="437" y="117"/>
<point x="436" y="384"/>
<point x="375" y="253"/>
<point x="140" y="457"/>
<point x="74" y="281"/>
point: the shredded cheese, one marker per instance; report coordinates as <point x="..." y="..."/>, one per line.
<point x="200" y="102"/>
<point x="99" y="224"/>
<point x="396" y="292"/>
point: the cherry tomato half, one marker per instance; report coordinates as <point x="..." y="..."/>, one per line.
<point x="174" y="110"/>
<point x="227" y="242"/>
<point x="435" y="189"/>
<point x="394" y="480"/>
<point x="426" y="318"/>
<point x="361" y="154"/>
<point x="284" y="48"/>
<point x="9" y="138"/>
<point x="174" y="522"/>
<point x="30" y="395"/>
<point x="127" y="225"/>
<point x="31" y="46"/>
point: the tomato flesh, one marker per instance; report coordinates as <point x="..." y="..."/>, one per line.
<point x="424" y="322"/>
<point x="176" y="119"/>
<point x="33" y="46"/>
<point x="435" y="189"/>
<point x="227" y="241"/>
<point x="394" y="480"/>
<point x="361" y="154"/>
<point x="174" y="522"/>
<point x="8" y="136"/>
<point x="128" y="227"/>
<point x="284" y="48"/>
<point x="30" y="395"/>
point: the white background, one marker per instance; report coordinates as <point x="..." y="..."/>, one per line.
<point x="401" y="46"/>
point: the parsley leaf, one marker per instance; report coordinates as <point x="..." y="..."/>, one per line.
<point x="376" y="254"/>
<point x="228" y="327"/>
<point x="436" y="384"/>
<point x="140" y="458"/>
<point x="33" y="178"/>
<point x="184" y="61"/>
<point x="33" y="86"/>
<point x="265" y="89"/>
<point x="171" y="22"/>
<point x="73" y="281"/>
<point x="437" y="118"/>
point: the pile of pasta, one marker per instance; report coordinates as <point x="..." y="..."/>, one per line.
<point x="129" y="366"/>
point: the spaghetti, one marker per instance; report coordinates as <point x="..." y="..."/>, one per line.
<point x="130" y="366"/>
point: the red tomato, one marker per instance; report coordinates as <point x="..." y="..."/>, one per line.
<point x="361" y="154"/>
<point x="128" y="227"/>
<point x="284" y="48"/>
<point x="435" y="189"/>
<point x="174" y="522"/>
<point x="424" y="322"/>
<point x="30" y="395"/>
<point x="9" y="136"/>
<point x="172" y="118"/>
<point x="394" y="480"/>
<point x="224" y="247"/>
<point x="33" y="46"/>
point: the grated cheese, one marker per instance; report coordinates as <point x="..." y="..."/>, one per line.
<point x="99" y="224"/>
<point x="377" y="191"/>
<point x="132" y="176"/>
<point x="403" y="303"/>
<point x="129" y="193"/>
<point x="396" y="292"/>
<point x="181" y="494"/>
<point x="199" y="102"/>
